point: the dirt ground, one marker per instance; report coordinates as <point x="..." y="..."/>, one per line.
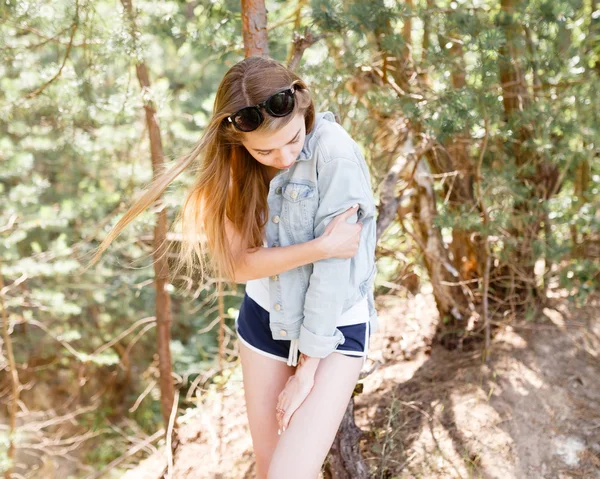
<point x="531" y="411"/>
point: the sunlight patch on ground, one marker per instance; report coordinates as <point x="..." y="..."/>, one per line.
<point x="569" y="449"/>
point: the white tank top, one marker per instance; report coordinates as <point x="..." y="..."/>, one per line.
<point x="258" y="290"/>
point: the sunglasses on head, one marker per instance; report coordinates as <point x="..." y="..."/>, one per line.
<point x="279" y="104"/>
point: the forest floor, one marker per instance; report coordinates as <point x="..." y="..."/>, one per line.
<point x="531" y="411"/>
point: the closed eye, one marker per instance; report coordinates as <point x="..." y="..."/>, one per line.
<point x="269" y="152"/>
<point x="291" y="142"/>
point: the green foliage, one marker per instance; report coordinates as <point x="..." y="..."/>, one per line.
<point x="580" y="277"/>
<point x="74" y="154"/>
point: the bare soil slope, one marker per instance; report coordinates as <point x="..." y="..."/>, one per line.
<point x="531" y="411"/>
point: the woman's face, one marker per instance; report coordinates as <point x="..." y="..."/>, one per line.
<point x="279" y="149"/>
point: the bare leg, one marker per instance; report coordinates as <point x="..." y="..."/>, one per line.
<point x="264" y="378"/>
<point x="304" y="445"/>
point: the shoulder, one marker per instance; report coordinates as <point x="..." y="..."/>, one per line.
<point x="339" y="161"/>
<point x="332" y="141"/>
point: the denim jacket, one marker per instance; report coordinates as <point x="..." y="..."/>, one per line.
<point x="328" y="177"/>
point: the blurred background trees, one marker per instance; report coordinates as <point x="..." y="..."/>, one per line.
<point x="480" y="122"/>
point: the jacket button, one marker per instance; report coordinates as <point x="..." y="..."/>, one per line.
<point x="274" y="277"/>
<point x="294" y="194"/>
<point x="278" y="190"/>
<point x="277" y="306"/>
<point x="275" y="219"/>
<point x="283" y="332"/>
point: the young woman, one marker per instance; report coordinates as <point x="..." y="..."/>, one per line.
<point x="284" y="199"/>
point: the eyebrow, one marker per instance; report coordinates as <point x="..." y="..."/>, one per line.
<point x="268" y="151"/>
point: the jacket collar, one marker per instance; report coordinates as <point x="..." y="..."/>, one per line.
<point x="310" y="138"/>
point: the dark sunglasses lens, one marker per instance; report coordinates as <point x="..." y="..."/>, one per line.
<point x="247" y="119"/>
<point x="281" y="103"/>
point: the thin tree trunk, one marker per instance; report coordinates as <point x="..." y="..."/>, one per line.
<point x="345" y="460"/>
<point x="161" y="265"/>
<point x="254" y="28"/>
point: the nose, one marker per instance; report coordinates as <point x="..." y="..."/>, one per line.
<point x="287" y="159"/>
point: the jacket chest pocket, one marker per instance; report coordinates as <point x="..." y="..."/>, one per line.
<point x="300" y="203"/>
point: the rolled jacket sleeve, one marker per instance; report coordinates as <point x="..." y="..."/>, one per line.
<point x="341" y="184"/>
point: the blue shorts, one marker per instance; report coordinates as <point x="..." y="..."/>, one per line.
<point x="252" y="326"/>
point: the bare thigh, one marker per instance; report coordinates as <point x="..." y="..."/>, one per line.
<point x="264" y="378"/>
<point x="304" y="445"/>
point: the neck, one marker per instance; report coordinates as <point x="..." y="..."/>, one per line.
<point x="272" y="172"/>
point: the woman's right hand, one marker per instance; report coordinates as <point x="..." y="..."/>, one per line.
<point x="341" y="239"/>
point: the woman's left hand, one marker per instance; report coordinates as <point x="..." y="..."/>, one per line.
<point x="293" y="395"/>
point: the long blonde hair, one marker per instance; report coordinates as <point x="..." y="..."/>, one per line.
<point x="229" y="181"/>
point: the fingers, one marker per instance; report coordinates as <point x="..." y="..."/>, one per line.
<point x="287" y="404"/>
<point x="279" y="417"/>
<point x="281" y="403"/>
<point x="286" y="420"/>
<point x="283" y="419"/>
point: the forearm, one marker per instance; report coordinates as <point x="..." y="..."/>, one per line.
<point x="323" y="304"/>
<point x="270" y="261"/>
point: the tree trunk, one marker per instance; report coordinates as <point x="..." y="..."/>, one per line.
<point x="538" y="178"/>
<point x="254" y="28"/>
<point x="345" y="460"/>
<point x="467" y="252"/>
<point x="451" y="301"/>
<point x="161" y="265"/>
